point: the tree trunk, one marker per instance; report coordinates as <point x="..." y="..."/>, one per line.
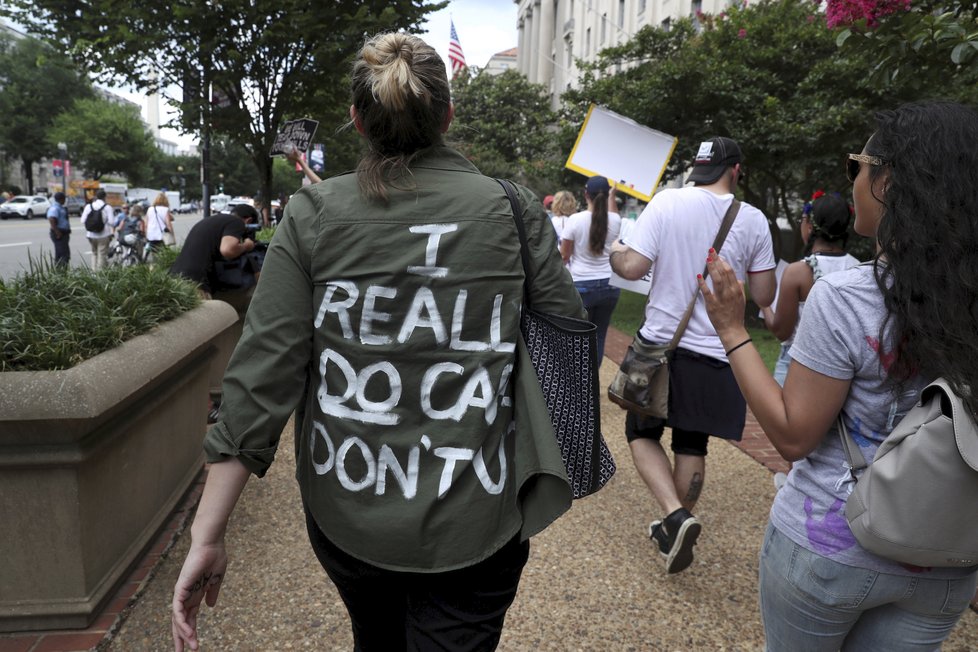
<point x="29" y="175"/>
<point x="264" y="163"/>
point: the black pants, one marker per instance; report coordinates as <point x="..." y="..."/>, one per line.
<point x="62" y="254"/>
<point x="423" y="612"/>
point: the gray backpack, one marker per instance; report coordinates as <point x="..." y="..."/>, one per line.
<point x="917" y="503"/>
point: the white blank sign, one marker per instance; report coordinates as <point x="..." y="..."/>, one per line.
<point x="632" y="156"/>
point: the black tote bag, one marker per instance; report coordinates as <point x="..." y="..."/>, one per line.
<point x="563" y="351"/>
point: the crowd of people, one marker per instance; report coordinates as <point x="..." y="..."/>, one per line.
<point x="380" y="273"/>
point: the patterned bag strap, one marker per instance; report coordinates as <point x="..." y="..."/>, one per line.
<point x="728" y="220"/>
<point x="514" y="203"/>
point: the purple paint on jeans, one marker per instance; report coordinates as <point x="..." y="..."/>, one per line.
<point x="831" y="534"/>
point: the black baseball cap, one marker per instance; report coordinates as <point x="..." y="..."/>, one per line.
<point x="714" y="156"/>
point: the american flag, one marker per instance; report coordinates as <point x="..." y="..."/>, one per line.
<point x="455" y="55"/>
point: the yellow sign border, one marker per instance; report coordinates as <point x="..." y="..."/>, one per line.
<point x="592" y="173"/>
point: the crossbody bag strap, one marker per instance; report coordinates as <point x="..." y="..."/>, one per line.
<point x="854" y="456"/>
<point x="514" y="203"/>
<point x="728" y="220"/>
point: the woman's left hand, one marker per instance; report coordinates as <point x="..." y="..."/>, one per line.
<point x="726" y="302"/>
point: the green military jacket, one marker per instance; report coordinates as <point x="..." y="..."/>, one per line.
<point x="422" y="442"/>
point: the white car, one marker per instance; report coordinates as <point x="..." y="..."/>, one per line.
<point x="241" y="200"/>
<point x="25" y="206"/>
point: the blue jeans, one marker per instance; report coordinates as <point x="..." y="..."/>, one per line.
<point x="781" y="366"/>
<point x="811" y="603"/>
<point x="600" y="300"/>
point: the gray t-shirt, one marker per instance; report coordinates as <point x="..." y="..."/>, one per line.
<point x="839" y="336"/>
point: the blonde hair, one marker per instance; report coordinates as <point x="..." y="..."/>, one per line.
<point x="565" y="203"/>
<point x="161" y="200"/>
<point x="137" y="210"/>
<point x="402" y="101"/>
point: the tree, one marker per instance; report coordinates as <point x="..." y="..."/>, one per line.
<point x="104" y="137"/>
<point x="504" y="125"/>
<point x="36" y="84"/>
<point x="265" y="63"/>
<point x="768" y="75"/>
<point x="932" y="44"/>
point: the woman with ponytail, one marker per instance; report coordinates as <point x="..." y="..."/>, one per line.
<point x="824" y="230"/>
<point x="585" y="245"/>
<point x="387" y="320"/>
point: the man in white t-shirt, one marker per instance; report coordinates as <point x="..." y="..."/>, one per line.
<point x="99" y="239"/>
<point x="675" y="232"/>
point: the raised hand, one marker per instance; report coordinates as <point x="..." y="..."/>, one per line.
<point x="725" y="302"/>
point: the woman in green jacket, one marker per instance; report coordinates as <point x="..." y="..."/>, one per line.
<point x="387" y="318"/>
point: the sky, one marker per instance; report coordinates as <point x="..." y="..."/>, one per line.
<point x="484" y="28"/>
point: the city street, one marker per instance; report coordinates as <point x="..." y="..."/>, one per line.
<point x="21" y="239"/>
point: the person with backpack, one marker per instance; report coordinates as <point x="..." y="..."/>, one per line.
<point x="98" y="218"/>
<point x="870" y="339"/>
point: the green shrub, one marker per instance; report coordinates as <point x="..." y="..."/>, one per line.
<point x="164" y="257"/>
<point x="52" y="318"/>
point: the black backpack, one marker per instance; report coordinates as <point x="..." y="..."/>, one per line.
<point x="95" y="221"/>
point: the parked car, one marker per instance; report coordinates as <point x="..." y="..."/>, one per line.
<point x="240" y="200"/>
<point x="25" y="206"/>
<point x="185" y="207"/>
<point x="74" y="205"/>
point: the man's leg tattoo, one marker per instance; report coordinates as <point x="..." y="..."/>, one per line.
<point x="695" y="487"/>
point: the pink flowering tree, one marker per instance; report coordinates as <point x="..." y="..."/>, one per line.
<point x="920" y="38"/>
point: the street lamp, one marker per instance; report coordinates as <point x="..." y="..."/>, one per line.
<point x="63" y="148"/>
<point x="183" y="183"/>
<point x="220" y="178"/>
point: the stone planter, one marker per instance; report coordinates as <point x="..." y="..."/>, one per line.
<point x="92" y="461"/>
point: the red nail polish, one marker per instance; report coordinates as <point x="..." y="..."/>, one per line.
<point x="699" y="277"/>
<point x="712" y="250"/>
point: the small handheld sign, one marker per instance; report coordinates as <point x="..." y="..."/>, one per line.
<point x="294" y="132"/>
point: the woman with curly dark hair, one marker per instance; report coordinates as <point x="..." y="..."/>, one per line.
<point x="870" y="339"/>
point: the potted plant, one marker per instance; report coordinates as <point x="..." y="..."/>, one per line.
<point x="103" y="403"/>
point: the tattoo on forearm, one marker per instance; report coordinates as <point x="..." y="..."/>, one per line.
<point x="695" y="487"/>
<point x="207" y="579"/>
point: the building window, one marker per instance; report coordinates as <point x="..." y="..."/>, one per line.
<point x="570" y="10"/>
<point x="641" y="7"/>
<point x="604" y="27"/>
<point x="666" y="23"/>
<point x="696" y="8"/>
<point x="587" y="42"/>
<point x="621" y="13"/>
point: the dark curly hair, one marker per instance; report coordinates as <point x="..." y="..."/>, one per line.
<point x="928" y="239"/>
<point x="830" y="216"/>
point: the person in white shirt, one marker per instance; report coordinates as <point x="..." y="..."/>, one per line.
<point x="99" y="239"/>
<point x="585" y="244"/>
<point x="824" y="230"/>
<point x="563" y="206"/>
<point x="159" y="223"/>
<point x="675" y="232"/>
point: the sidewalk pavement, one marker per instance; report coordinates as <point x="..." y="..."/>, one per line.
<point x="593" y="582"/>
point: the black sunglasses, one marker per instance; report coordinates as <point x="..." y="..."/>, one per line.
<point x="853" y="161"/>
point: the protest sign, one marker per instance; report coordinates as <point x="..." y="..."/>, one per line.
<point x="632" y="156"/>
<point x="294" y="132"/>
